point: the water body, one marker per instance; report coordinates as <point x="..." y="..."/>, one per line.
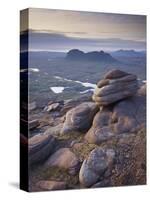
<point x="85" y="84"/>
<point x="57" y="90"/>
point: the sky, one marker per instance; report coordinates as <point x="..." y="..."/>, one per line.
<point x="60" y="30"/>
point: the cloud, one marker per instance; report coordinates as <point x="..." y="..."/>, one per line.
<point x="56" y="41"/>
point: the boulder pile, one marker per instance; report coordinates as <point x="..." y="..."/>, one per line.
<point x="115" y="86"/>
<point x="95" y="143"/>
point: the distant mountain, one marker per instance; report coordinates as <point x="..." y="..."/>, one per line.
<point x="100" y="56"/>
<point x="128" y="53"/>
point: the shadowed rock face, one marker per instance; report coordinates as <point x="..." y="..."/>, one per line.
<point x="79" y="119"/>
<point x="115" y="86"/>
<point x="40" y="147"/>
<point x="95" y="166"/>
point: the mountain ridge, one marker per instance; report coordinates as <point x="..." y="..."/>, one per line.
<point x="76" y="54"/>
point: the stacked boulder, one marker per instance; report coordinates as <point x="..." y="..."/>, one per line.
<point x="115" y="86"/>
<point x="122" y="107"/>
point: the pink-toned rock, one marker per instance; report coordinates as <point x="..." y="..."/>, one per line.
<point x="115" y="86"/>
<point x="64" y="158"/>
<point x="51" y="185"/>
<point x="126" y="116"/>
<point x="79" y="119"/>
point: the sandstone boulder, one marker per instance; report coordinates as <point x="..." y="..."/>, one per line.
<point x="79" y="119"/>
<point x="40" y="148"/>
<point x="64" y="158"/>
<point x="115" y="86"/>
<point x="126" y="116"/>
<point x="94" y="167"/>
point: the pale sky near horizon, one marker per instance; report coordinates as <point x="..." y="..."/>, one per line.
<point x="86" y="30"/>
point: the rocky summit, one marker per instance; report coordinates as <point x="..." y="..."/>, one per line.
<point x="91" y="142"/>
<point x="115" y="86"/>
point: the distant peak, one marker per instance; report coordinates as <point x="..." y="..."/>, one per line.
<point x="76" y="54"/>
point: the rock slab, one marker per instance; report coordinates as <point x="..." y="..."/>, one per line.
<point x="64" y="158"/>
<point x="40" y="148"/>
<point x="79" y="119"/>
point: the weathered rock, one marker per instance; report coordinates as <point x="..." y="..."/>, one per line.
<point x="54" y="130"/>
<point x="33" y="124"/>
<point x="79" y="119"/>
<point x="51" y="185"/>
<point x="52" y="107"/>
<point x="72" y="103"/>
<point x="64" y="158"/>
<point x="116" y="73"/>
<point x="103" y="183"/>
<point x="126" y="116"/>
<point x="115" y="86"/>
<point x="95" y="166"/>
<point x="40" y="148"/>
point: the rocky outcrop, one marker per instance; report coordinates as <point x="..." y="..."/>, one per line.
<point x="115" y="86"/>
<point x="95" y="166"/>
<point x="98" y="143"/>
<point x="127" y="116"/>
<point x="64" y="158"/>
<point x="79" y="119"/>
<point x="40" y="148"/>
